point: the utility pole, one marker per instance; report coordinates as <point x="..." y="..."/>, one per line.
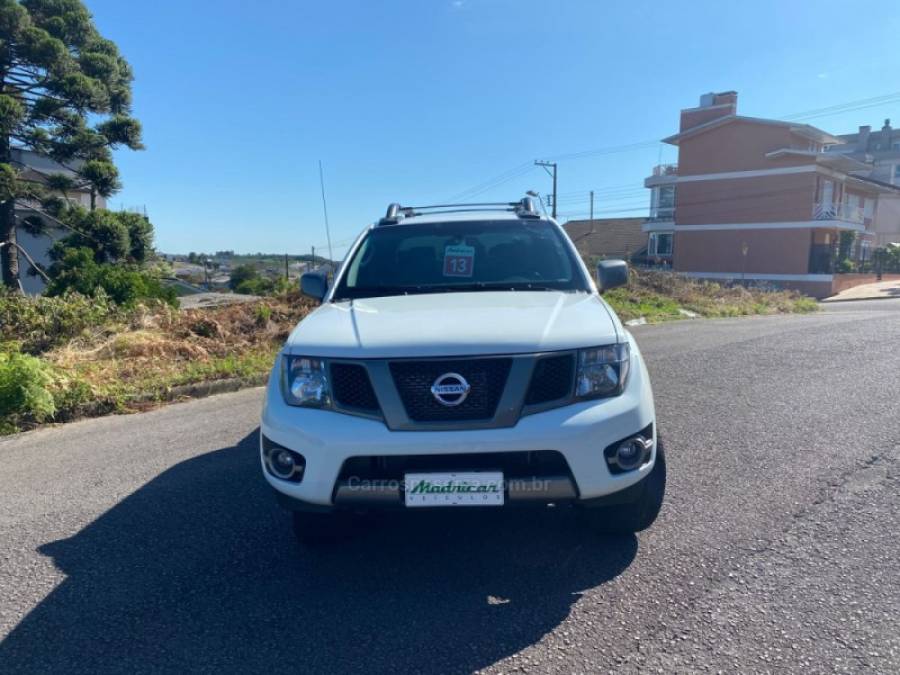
<point x="592" y="207"/>
<point x="313" y="259"/>
<point x="286" y="267"/>
<point x="547" y="166"/>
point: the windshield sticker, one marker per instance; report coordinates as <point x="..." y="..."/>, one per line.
<point x="459" y="261"/>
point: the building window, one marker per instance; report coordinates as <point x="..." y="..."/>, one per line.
<point x="667" y="197"/>
<point x="662" y="204"/>
<point x="660" y="244"/>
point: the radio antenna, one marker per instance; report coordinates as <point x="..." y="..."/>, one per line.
<point x="325" y="210"/>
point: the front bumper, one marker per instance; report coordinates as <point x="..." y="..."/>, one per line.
<point x="579" y="432"/>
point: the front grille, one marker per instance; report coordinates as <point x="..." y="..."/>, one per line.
<point x="352" y="388"/>
<point x="551" y="380"/>
<point x="486" y="377"/>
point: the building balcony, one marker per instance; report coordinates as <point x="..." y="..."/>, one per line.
<point x="839" y="211"/>
<point x="663" y="174"/>
<point x="659" y="220"/>
<point x="665" y="170"/>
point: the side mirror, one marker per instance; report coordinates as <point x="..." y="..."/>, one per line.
<point x="611" y="273"/>
<point x="314" y="285"/>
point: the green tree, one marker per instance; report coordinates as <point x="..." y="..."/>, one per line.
<point x="65" y="91"/>
<point x="102" y="177"/>
<point x="242" y="274"/>
<point x="113" y="236"/>
<point x="140" y="235"/>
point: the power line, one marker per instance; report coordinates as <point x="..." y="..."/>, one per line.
<point x="613" y="196"/>
<point x="631" y="147"/>
<point x="547" y="166"/>
<point x="522" y="169"/>
<point x="605" y="189"/>
<point x="735" y="208"/>
<point x="845" y="107"/>
<point x="506" y="176"/>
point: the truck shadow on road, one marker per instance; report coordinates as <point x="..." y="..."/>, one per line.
<point x="198" y="570"/>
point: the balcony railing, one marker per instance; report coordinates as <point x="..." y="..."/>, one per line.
<point x="665" y="170"/>
<point x="838" y="211"/>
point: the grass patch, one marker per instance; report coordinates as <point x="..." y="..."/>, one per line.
<point x="125" y="361"/>
<point x="660" y="296"/>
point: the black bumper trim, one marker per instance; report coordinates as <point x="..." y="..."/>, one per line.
<point x="389" y="496"/>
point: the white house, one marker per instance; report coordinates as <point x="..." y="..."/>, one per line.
<point x="35" y="167"/>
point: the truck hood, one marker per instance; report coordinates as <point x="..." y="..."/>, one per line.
<point x="455" y="324"/>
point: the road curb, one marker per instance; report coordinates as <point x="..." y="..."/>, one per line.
<point x="876" y="297"/>
<point x="210" y="388"/>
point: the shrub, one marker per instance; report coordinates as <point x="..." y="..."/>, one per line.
<point x="124" y="284"/>
<point x="257" y="286"/>
<point x="845" y="246"/>
<point x="24" y="389"/>
<point x="263" y="314"/>
<point x="888" y="258"/>
<point x="242" y="274"/>
<point x="846" y="266"/>
<point x="38" y="323"/>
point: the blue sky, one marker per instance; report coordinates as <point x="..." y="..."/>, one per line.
<point x="420" y="100"/>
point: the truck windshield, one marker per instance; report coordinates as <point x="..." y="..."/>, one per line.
<point x="505" y="255"/>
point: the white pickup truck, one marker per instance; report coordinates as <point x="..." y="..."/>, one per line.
<point x="463" y="357"/>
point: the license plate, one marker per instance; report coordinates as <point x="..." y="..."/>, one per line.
<point x="472" y="488"/>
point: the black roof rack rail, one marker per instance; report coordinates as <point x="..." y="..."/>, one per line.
<point x="395" y="212"/>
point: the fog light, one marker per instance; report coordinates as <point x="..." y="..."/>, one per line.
<point x="631" y="453"/>
<point x="284" y="464"/>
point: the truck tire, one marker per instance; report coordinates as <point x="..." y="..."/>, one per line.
<point x="639" y="514"/>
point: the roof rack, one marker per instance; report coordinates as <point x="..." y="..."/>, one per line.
<point x="524" y="208"/>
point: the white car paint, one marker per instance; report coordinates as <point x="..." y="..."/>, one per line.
<point x="579" y="431"/>
<point x="451" y="325"/>
<point x="455" y="324"/>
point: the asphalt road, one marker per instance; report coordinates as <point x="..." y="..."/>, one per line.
<point x="150" y="543"/>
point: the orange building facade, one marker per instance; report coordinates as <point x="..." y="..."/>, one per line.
<point x="759" y="200"/>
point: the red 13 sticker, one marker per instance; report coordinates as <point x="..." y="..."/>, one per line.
<point x="459" y="261"/>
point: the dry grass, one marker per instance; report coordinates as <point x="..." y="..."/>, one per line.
<point x="157" y="351"/>
<point x="658" y="296"/>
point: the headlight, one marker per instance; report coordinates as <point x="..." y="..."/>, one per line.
<point x="304" y="382"/>
<point x="602" y="371"/>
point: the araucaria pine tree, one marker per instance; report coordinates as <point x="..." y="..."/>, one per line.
<point x="65" y="92"/>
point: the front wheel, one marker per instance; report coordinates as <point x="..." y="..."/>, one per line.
<point x="639" y="514"/>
